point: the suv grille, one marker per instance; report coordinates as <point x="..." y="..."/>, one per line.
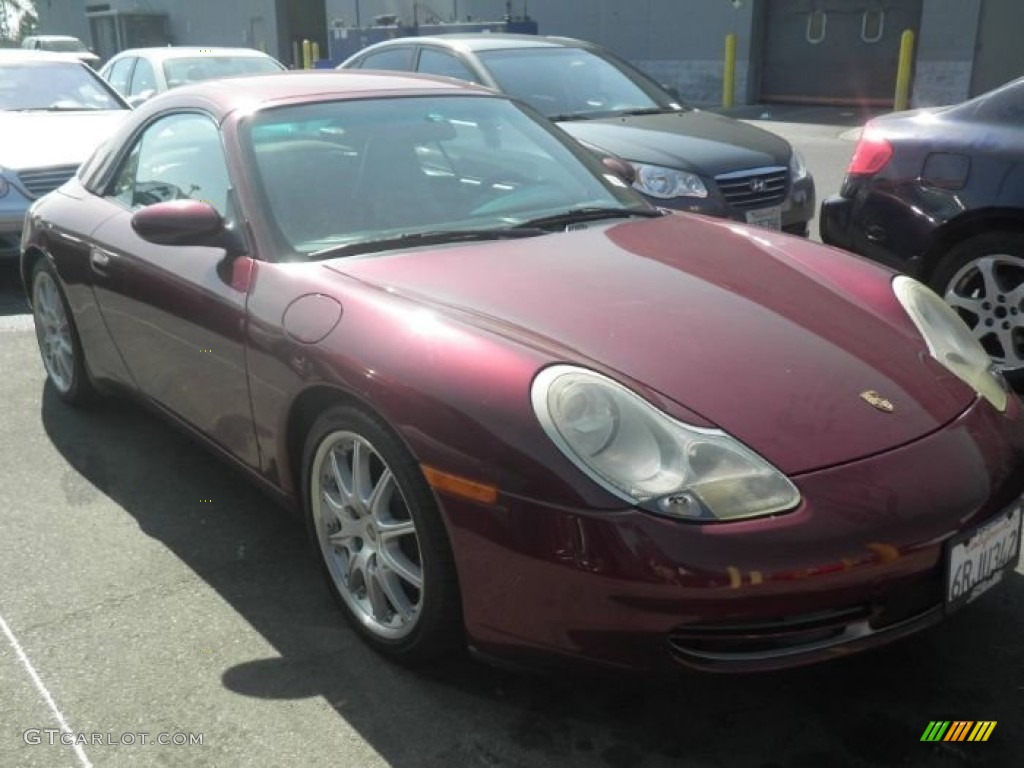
<point x="39" y="181"/>
<point x="755" y="188"/>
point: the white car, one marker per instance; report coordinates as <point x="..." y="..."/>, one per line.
<point x="54" y="112"/>
<point x="66" y="44"/>
<point x="140" y="73"/>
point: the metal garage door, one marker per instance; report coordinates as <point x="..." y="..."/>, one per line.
<point x="834" y="51"/>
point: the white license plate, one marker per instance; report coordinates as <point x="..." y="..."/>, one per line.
<point x="766" y="218"/>
<point x="978" y="560"/>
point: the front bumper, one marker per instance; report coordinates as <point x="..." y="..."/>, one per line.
<point x="797" y="208"/>
<point x="860" y="563"/>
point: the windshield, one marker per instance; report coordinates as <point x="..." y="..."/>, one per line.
<point x="346" y="172"/>
<point x="53" y="86"/>
<point x="1003" y="106"/>
<point x="193" y="70"/>
<point x="564" y="83"/>
<point x="71" y="45"/>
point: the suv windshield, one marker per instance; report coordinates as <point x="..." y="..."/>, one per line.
<point x="53" y="86"/>
<point x="416" y="168"/>
<point x="193" y="70"/>
<point x="566" y="83"/>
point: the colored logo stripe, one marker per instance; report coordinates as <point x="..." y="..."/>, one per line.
<point x="958" y="730"/>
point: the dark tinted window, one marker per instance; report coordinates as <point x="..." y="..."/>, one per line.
<point x="118" y="74"/>
<point x="433" y="62"/>
<point x="397" y="58"/>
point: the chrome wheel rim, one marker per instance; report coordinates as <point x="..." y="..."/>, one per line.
<point x="367" y="535"/>
<point x="988" y="293"/>
<point x="53" y="332"/>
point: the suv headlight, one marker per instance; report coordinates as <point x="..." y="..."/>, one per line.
<point x="649" y="459"/>
<point x="950" y="341"/>
<point x="797" y="166"/>
<point x="666" y="183"/>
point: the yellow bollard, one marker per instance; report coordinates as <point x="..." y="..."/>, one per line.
<point x="729" y="80"/>
<point x="307" y="54"/>
<point x="906" y="65"/>
<point x="316" y="52"/>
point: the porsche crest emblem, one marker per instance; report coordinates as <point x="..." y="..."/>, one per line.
<point x="876" y="401"/>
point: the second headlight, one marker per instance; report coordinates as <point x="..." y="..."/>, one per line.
<point x="649" y="459"/>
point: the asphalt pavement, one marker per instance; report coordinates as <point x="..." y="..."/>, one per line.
<point x="146" y="588"/>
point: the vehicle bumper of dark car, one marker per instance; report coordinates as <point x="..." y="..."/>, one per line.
<point x="12" y="216"/>
<point x="900" y="245"/>
<point x="858" y="564"/>
<point x="797" y="208"/>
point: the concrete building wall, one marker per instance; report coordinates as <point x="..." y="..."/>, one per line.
<point x="945" y="51"/>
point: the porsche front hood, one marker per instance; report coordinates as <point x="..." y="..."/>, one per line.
<point x="773" y="339"/>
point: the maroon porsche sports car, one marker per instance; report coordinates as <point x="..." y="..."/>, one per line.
<point x="518" y="406"/>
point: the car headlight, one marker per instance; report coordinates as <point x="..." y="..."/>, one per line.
<point x="950" y="341"/>
<point x="649" y="459"/>
<point x="797" y="166"/>
<point x="666" y="183"/>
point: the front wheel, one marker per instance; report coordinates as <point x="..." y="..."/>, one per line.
<point x="57" y="337"/>
<point x="380" y="537"/>
<point x="982" y="278"/>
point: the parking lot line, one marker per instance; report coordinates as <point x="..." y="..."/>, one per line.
<point x="38" y="682"/>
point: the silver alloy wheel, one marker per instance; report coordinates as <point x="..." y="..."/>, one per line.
<point x="367" y="535"/>
<point x="988" y="293"/>
<point x="53" y="332"/>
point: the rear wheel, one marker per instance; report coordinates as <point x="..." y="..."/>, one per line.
<point x="982" y="278"/>
<point x="57" y="336"/>
<point x="380" y="536"/>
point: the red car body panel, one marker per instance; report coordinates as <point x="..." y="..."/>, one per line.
<point x="768" y="337"/>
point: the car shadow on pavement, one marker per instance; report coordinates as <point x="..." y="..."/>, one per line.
<point x="12" y="294"/>
<point x="865" y="710"/>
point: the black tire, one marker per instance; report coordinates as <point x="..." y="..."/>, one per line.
<point x="74" y="388"/>
<point x="438" y="627"/>
<point x="954" y="272"/>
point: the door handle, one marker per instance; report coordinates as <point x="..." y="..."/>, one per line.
<point x="99" y="258"/>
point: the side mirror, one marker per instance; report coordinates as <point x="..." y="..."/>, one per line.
<point x="620" y="168"/>
<point x="180" y="222"/>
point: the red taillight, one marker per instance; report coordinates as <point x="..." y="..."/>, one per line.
<point x="872" y="154"/>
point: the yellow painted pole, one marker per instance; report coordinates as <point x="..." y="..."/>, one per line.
<point x="902" y="99"/>
<point x="729" y="83"/>
<point x="307" y="54"/>
<point x="316" y="51"/>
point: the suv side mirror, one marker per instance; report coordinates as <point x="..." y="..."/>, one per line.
<point x="620" y="168"/>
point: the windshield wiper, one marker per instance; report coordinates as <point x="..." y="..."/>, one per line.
<point x="593" y="213"/>
<point x="646" y="111"/>
<point x="437" y="237"/>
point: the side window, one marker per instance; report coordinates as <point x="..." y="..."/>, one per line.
<point x="440" y="63"/>
<point x="144" y="79"/>
<point x="118" y="74"/>
<point x="398" y="58"/>
<point x="177" y="157"/>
